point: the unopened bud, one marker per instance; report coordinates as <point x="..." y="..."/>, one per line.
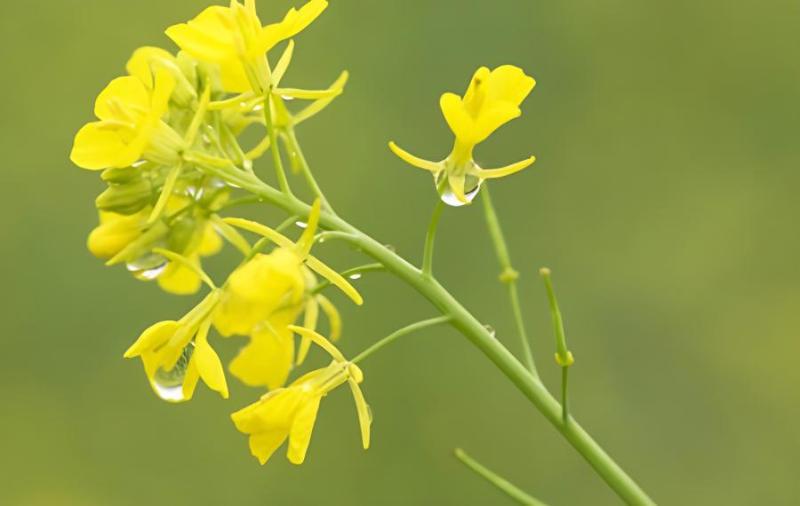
<point x="126" y="198"/>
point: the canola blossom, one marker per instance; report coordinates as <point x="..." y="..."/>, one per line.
<point x="492" y="100"/>
<point x="173" y="142"/>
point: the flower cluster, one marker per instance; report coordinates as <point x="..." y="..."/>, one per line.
<point x="161" y="136"/>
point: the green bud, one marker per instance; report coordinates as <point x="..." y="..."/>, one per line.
<point x="182" y="234"/>
<point x="126" y="198"/>
<point x="121" y="176"/>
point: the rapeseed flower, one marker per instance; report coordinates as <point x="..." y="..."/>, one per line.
<point x="290" y="413"/>
<point x="492" y="100"/>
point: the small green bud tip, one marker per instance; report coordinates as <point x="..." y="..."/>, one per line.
<point x="565" y="361"/>
<point x="544" y="272"/>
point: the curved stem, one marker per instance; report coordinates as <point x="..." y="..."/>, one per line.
<point x="280" y="172"/>
<point x="408" y="329"/>
<point x="498" y="481"/>
<point x="508" y="276"/>
<point x="430" y="239"/>
<point x="466" y="323"/>
<point x="294" y="145"/>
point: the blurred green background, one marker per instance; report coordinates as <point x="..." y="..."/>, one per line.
<point x="664" y="198"/>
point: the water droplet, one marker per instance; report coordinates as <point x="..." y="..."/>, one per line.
<point x="356" y="276"/>
<point x="449" y="198"/>
<point x="390" y="247"/>
<point x="491" y="330"/>
<point x="206" y="139"/>
<point x="138" y="164"/>
<point x="259" y="107"/>
<point x="148" y="267"/>
<point x="169" y="384"/>
<point x="301" y="224"/>
<point x="287" y="97"/>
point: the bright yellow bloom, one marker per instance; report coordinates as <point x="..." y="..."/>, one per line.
<point x="130" y="126"/>
<point x="291" y="412"/>
<point x="115" y="232"/>
<point x="269" y="357"/>
<point x="234" y="38"/>
<point x="274" y="282"/>
<point x="176" y="355"/>
<point x="492" y="100"/>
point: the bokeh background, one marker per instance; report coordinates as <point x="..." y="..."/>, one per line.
<point x="664" y="198"/>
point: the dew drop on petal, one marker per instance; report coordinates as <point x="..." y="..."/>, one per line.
<point x="356" y="276"/>
<point x="169" y="384"/>
<point x="148" y="267"/>
<point x="449" y="198"/>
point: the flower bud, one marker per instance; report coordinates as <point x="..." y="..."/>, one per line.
<point x="128" y="198"/>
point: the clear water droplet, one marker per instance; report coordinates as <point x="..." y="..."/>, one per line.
<point x="259" y="107"/>
<point x="138" y="164"/>
<point x="390" y="247"/>
<point x="148" y="267"/>
<point x="301" y="224"/>
<point x="169" y="384"/>
<point x="287" y="97"/>
<point x="472" y="187"/>
<point x="492" y="332"/>
<point x="356" y="276"/>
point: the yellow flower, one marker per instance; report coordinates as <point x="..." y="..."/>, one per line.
<point x="291" y="412"/>
<point x="130" y="126"/>
<point x="492" y="100"/>
<point x="234" y="38"/>
<point x="131" y="239"/>
<point x="176" y="355"/>
<point x="270" y="283"/>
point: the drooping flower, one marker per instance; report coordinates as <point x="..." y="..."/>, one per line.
<point x="492" y="100"/>
<point x="268" y="293"/>
<point x="130" y="126"/>
<point x="131" y="239"/>
<point x="234" y="39"/>
<point x="273" y="282"/>
<point x="176" y="354"/>
<point x="290" y="413"/>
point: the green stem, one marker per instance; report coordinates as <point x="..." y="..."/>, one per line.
<point x="508" y="276"/>
<point x="463" y="321"/>
<point x="280" y="172"/>
<point x="564" y="393"/>
<point x="564" y="357"/>
<point x="501" y="483"/>
<point x="430" y="239"/>
<point x="294" y="145"/>
<point x="400" y="333"/>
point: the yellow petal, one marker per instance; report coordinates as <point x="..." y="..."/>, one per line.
<point x="293" y="23"/>
<point x="208" y="363"/>
<point x="491" y="119"/>
<point x="510" y="84"/>
<point x="101" y="145"/>
<point x="207" y="37"/>
<point x="179" y="279"/>
<point x="459" y="121"/>
<point x="334" y="318"/>
<point x="266" y="360"/>
<point x="320" y="341"/>
<point x="505" y="171"/>
<point x="115" y="232"/>
<point x="141" y="63"/>
<point x="283" y="64"/>
<point x="364" y="415"/>
<point x="191" y="379"/>
<point x="122" y="97"/>
<point x="302" y="428"/>
<point x="153" y="337"/>
<point x="264" y="444"/>
<point x="414" y="160"/>
<point x="318" y="105"/>
<point x="310" y="322"/>
<point x="210" y="241"/>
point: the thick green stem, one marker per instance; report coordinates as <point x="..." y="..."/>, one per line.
<point x="508" y="276"/>
<point x="501" y="483"/>
<point x="466" y="323"/>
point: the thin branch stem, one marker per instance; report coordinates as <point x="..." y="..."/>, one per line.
<point x="294" y="145"/>
<point x="280" y="172"/>
<point x="430" y="239"/>
<point x="501" y="483"/>
<point x="508" y="276"/>
<point x="528" y="384"/>
<point x="564" y="357"/>
<point x="400" y="333"/>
